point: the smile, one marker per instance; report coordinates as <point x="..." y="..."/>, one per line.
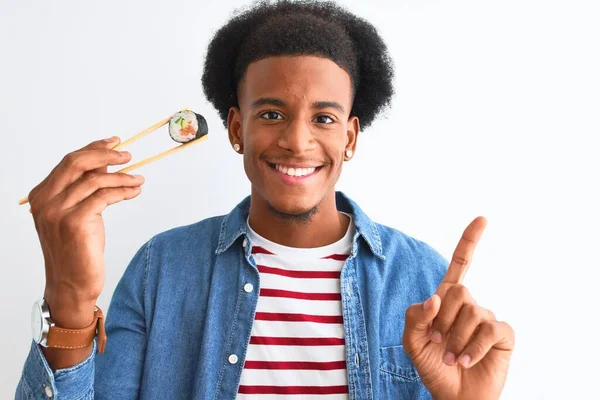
<point x="294" y="173"/>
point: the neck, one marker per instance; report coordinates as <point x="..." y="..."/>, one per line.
<point x="324" y="226"/>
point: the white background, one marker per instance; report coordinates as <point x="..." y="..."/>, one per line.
<point x="496" y="113"/>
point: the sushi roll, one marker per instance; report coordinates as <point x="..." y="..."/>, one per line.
<point x="186" y="126"/>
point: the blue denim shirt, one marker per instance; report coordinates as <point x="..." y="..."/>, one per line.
<point x="180" y="311"/>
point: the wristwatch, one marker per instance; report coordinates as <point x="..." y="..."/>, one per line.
<point x="47" y="334"/>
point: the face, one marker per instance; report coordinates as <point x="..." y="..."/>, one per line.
<point x="294" y="126"/>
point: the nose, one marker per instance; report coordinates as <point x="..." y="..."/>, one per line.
<point x="297" y="137"/>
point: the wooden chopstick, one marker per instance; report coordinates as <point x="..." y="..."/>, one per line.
<point x="142" y="134"/>
<point x="135" y="138"/>
<point x="161" y="155"/>
<point x="25" y="199"/>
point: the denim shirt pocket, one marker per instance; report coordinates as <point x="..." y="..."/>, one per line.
<point x="398" y="378"/>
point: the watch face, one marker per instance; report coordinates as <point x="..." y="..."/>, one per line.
<point x="36" y="322"/>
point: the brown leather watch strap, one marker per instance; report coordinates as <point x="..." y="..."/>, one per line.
<point x="63" y="338"/>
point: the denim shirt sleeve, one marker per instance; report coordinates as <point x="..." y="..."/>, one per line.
<point x="118" y="370"/>
<point x="38" y="381"/>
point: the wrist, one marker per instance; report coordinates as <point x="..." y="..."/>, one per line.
<point x="70" y="314"/>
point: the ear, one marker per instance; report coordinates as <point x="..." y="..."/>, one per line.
<point x="234" y="126"/>
<point x="351" y="136"/>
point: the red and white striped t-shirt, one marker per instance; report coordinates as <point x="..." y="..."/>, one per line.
<point x="297" y="348"/>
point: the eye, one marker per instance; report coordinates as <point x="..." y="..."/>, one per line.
<point x="323" y="119"/>
<point x="271" y="115"/>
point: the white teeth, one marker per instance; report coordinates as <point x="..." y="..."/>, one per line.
<point x="294" y="171"/>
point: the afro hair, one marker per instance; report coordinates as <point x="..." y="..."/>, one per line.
<point x="305" y="27"/>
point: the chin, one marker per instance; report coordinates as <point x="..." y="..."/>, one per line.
<point x="292" y="204"/>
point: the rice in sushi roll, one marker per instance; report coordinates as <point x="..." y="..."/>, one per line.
<point x="186" y="126"/>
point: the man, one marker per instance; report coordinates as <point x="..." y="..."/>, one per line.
<point x="294" y="294"/>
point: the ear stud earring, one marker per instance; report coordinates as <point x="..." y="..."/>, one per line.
<point x="237" y="147"/>
<point x="348" y="153"/>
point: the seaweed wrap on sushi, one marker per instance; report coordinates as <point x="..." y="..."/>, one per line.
<point x="186" y="126"/>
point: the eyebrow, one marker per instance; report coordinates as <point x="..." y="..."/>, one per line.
<point x="268" y="101"/>
<point x="328" y="104"/>
<point x="278" y="102"/>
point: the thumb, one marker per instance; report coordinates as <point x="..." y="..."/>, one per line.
<point x="418" y="319"/>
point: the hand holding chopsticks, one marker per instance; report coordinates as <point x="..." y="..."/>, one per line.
<point x="185" y="127"/>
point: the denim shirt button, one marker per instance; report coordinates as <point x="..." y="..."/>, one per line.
<point x="356" y="360"/>
<point x="245" y="242"/>
<point x="48" y="391"/>
<point x="248" y="287"/>
<point x="233" y="359"/>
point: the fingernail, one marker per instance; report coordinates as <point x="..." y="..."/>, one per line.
<point x="112" y="139"/>
<point x="449" y="358"/>
<point x="436" y="336"/>
<point x="139" y="177"/>
<point x="124" y="154"/>
<point x="465" y="360"/>
<point x="427" y="304"/>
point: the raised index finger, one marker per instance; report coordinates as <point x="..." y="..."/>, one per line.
<point x="461" y="259"/>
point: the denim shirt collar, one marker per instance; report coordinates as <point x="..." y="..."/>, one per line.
<point x="234" y="225"/>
